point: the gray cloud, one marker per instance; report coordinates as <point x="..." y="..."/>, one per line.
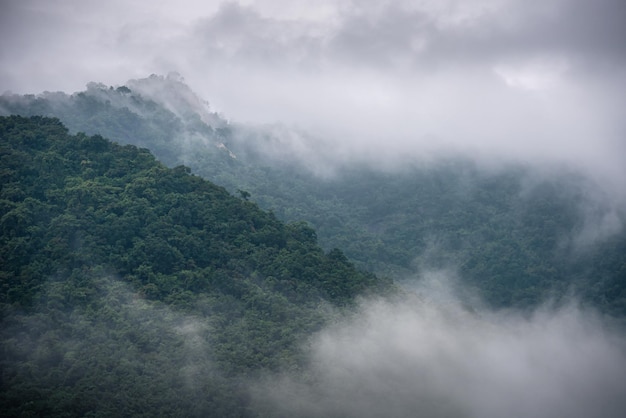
<point x="498" y="80"/>
<point x="372" y="34"/>
<point x="439" y="359"/>
<point x="425" y="35"/>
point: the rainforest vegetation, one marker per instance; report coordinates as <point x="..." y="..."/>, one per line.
<point x="158" y="259"/>
<point x="127" y="285"/>
<point x="513" y="236"/>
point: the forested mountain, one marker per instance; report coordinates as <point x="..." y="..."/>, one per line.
<point x="122" y="114"/>
<point x="129" y="286"/>
<point x="513" y="235"/>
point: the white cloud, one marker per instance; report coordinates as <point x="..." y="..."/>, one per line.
<point x="438" y="359"/>
<point x="501" y="79"/>
<point x="537" y="74"/>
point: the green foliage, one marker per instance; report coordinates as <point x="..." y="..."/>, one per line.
<point x="509" y="235"/>
<point x="113" y="266"/>
<point x="128" y="286"/>
<point x="510" y="239"/>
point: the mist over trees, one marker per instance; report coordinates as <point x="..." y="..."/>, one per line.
<point x="483" y="290"/>
<point x="437" y="358"/>
<point x="515" y="234"/>
<point x="388" y="208"/>
<point x="128" y="286"/>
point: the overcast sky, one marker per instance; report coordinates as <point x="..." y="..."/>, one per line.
<point x="540" y="81"/>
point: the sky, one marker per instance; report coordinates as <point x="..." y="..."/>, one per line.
<point x="496" y="79"/>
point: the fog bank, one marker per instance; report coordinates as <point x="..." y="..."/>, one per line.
<point x="493" y="79"/>
<point x="430" y="356"/>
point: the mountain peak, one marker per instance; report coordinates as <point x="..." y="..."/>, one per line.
<point x="175" y="95"/>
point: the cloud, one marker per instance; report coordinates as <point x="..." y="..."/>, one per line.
<point x="494" y="79"/>
<point x="430" y="356"/>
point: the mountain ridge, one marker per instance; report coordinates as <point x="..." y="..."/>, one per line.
<point x="130" y="286"/>
<point x="514" y="235"/>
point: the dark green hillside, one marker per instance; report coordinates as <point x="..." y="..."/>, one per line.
<point x="511" y="234"/>
<point x="129" y="288"/>
<point x="513" y="239"/>
<point x="119" y="114"/>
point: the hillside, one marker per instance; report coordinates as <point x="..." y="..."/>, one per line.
<point x="130" y="286"/>
<point x="513" y="235"/>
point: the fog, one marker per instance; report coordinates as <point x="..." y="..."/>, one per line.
<point x="435" y="354"/>
<point x="119" y="345"/>
<point x="498" y="80"/>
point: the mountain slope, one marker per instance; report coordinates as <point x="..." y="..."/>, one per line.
<point x="514" y="236"/>
<point x="128" y="286"/>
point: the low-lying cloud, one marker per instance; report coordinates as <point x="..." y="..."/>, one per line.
<point x="118" y="346"/>
<point x="385" y="82"/>
<point x="496" y="79"/>
<point x="433" y="357"/>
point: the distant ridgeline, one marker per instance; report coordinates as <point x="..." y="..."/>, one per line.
<point x="129" y="286"/>
<point x="166" y="127"/>
<point x="515" y="237"/>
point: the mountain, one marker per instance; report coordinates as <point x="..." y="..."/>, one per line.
<point x="130" y="286"/>
<point x="513" y="235"/>
<point x="167" y="126"/>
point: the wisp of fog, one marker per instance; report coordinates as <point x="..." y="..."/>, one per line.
<point x="430" y="355"/>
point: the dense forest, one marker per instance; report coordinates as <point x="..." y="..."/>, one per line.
<point x="130" y="286"/>
<point x="174" y="271"/>
<point x="313" y="209"/>
<point x="512" y="235"/>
